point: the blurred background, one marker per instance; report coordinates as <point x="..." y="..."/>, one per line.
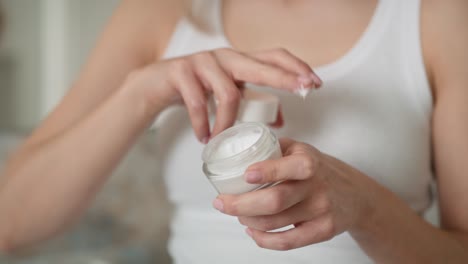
<point x="44" y="45"/>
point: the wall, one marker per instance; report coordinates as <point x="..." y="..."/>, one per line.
<point x="21" y="53"/>
<point x="44" y="47"/>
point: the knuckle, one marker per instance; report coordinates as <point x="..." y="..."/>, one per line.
<point x="224" y="50"/>
<point x="304" y="147"/>
<point x="281" y="193"/>
<point x="179" y="66"/>
<point x="284" y="244"/>
<point x="230" y="97"/>
<point x="203" y="56"/>
<point x="225" y="57"/>
<point x="298" y="147"/>
<point x="324" y="206"/>
<point x="242" y="221"/>
<point x="232" y="208"/>
<point x="309" y="165"/>
<point x="256" y="78"/>
<point x="265" y="223"/>
<point x="276" y="202"/>
<point x="328" y="229"/>
<point x="260" y="243"/>
<point x="321" y="207"/>
<point x="274" y="174"/>
<point x="198" y="104"/>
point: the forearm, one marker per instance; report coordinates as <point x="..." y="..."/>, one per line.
<point x="47" y="187"/>
<point x="393" y="233"/>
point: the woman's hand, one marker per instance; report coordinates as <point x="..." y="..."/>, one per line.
<point x="192" y="78"/>
<point x="320" y="195"/>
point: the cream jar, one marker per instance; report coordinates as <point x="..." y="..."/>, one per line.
<point x="227" y="156"/>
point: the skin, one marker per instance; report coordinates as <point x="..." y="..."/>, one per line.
<point x="321" y="195"/>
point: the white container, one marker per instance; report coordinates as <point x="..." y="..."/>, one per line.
<point x="258" y="106"/>
<point x="227" y="156"/>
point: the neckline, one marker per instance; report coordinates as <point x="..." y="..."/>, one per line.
<point x="347" y="61"/>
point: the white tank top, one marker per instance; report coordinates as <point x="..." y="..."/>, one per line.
<point x="373" y="113"/>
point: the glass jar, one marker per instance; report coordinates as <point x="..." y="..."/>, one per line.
<point x="227" y="156"/>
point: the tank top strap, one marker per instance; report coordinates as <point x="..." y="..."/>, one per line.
<point x="209" y="12"/>
<point x="409" y="35"/>
<point x="374" y="36"/>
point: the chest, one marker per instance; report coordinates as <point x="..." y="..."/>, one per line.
<point x="318" y="32"/>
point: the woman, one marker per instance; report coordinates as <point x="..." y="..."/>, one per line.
<point x="355" y="190"/>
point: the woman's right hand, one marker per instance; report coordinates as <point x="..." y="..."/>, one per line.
<point x="192" y="78"/>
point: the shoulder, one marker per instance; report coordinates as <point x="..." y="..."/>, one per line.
<point x="445" y="42"/>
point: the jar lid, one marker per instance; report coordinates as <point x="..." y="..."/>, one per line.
<point x="258" y="106"/>
<point x="255" y="106"/>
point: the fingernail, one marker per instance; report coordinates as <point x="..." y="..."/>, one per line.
<point x="305" y="79"/>
<point x="249" y="232"/>
<point x="253" y="176"/>
<point x="317" y="81"/>
<point x="205" y="140"/>
<point x="218" y="204"/>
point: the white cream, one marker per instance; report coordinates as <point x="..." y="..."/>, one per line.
<point x="302" y="92"/>
<point x="232" y="146"/>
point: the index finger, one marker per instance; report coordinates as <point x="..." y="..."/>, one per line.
<point x="286" y="60"/>
<point x="267" y="201"/>
<point x="247" y="69"/>
<point x="225" y="91"/>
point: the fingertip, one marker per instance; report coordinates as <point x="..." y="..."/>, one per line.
<point x="316" y="79"/>
<point x="253" y="176"/>
<point x="249" y="232"/>
<point x="218" y="204"/>
<point x="203" y="134"/>
<point x="205" y="140"/>
<point x="279" y="123"/>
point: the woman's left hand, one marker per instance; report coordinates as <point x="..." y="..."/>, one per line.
<point x="318" y="194"/>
